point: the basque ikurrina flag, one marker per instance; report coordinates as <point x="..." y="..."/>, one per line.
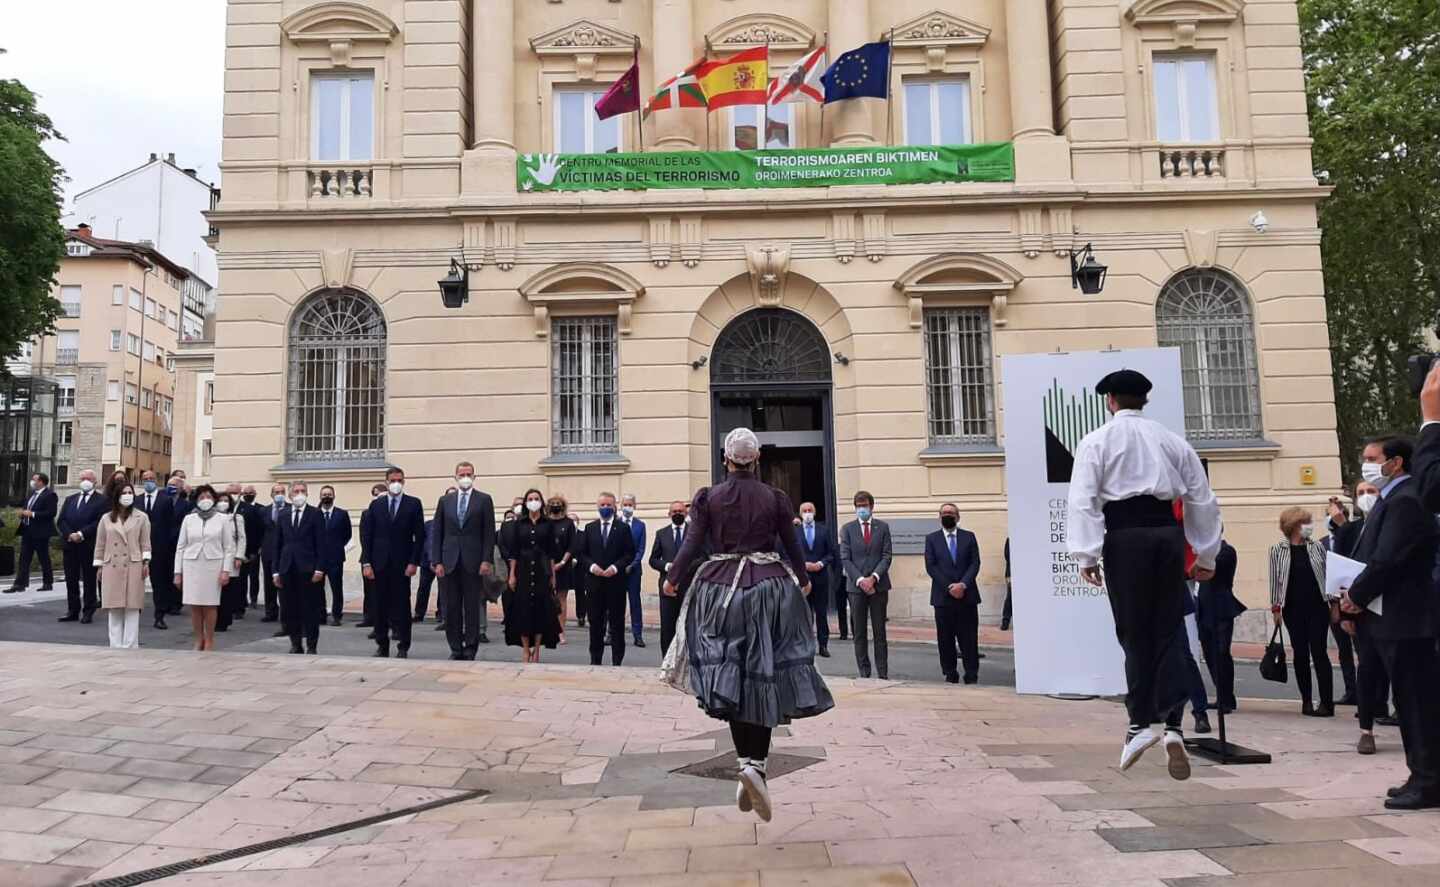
<point x="742" y="79"/>
<point x="680" y="91"/>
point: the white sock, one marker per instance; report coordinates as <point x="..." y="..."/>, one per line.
<point x="742" y="761"/>
<point x="758" y="764"/>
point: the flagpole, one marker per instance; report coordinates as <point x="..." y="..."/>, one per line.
<point x="640" y="113"/>
<point x="889" y="98"/>
<point x="822" y="96"/>
<point x="762" y="133"/>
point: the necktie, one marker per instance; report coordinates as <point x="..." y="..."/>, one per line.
<point x="865" y="531"/>
<point x="810" y="536"/>
<point x="84" y="497"/>
<point x="394" y="506"/>
<point x="149" y="502"/>
<point x="679" y="538"/>
<point x="605" y="533"/>
<point x="297" y="518"/>
<point x="464" y="506"/>
<point x="951" y="537"/>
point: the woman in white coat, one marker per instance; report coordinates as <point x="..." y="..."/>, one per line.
<point x="204" y="558"/>
<point x="122" y="552"/>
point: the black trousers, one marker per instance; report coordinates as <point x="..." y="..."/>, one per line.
<point x="80" y="572"/>
<point x="607" y="609"/>
<point x="1008" y="612"/>
<point x="367" y="601"/>
<point x="39" y="551"/>
<point x="392" y="608"/>
<point x="1215" y="643"/>
<point x="1345" y="652"/>
<point x="1373" y="696"/>
<point x="1308" y="621"/>
<point x="232" y="601"/>
<point x="336" y="577"/>
<point x="464" y="593"/>
<point x="842" y="606"/>
<point x="820" y="604"/>
<point x="1414" y="668"/>
<point x="302" y="607"/>
<point x="164" y="595"/>
<point x="958" y="627"/>
<point x="272" y="594"/>
<point x="250" y="578"/>
<point x="422" y="595"/>
<point x="869" y="611"/>
<point x="1145" y="579"/>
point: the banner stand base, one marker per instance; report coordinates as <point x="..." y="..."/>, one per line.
<point x="1072" y="697"/>
<point x="1222" y="751"/>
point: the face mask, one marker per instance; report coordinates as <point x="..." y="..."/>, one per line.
<point x="1367" y="502"/>
<point x="127" y="499"/>
<point x="298" y="500"/>
<point x="224" y="506"/>
<point x="807" y="517"/>
<point x="948" y="521"/>
<point x="533" y="506"/>
<point x="677" y="519"/>
<point x="606" y="512"/>
<point x="249" y="497"/>
<point x="509" y="516"/>
<point x="1306" y="532"/>
<point x="279" y="498"/>
<point x="327" y="500"/>
<point x="518" y="509"/>
<point x="862" y="512"/>
<point x="465" y="482"/>
<point x="149" y="486"/>
<point x="205" y="504"/>
<point x="628" y="511"/>
<point x="35" y="485"/>
<point x="1374" y="473"/>
<point x="557" y="510"/>
<point x="170" y="487"/>
<point x="396" y="487"/>
<point x="87" y="485"/>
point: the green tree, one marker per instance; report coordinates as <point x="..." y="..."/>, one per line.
<point x="1372" y="70"/>
<point x="32" y="240"/>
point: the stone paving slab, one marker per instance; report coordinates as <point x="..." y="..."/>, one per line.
<point x="117" y="761"/>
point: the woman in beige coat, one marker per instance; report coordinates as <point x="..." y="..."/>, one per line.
<point x="122" y="552"/>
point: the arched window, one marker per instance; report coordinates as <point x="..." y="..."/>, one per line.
<point x="337" y="379"/>
<point x="770" y="345"/>
<point x="1207" y="315"/>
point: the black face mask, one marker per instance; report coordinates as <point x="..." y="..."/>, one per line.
<point x="949" y="521"/>
<point x="557" y="510"/>
<point x="677" y="519"/>
<point x="327" y="500"/>
<point x="249" y="497"/>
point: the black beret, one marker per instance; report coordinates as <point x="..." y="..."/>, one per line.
<point x="1124" y="382"/>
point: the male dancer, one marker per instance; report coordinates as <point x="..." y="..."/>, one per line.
<point x="1127" y="475"/>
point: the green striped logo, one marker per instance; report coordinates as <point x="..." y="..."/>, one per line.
<point x="1071" y="417"/>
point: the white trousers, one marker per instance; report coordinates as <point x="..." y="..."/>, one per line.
<point x="125" y="628"/>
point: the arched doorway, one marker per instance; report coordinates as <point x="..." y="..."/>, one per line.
<point x="770" y="372"/>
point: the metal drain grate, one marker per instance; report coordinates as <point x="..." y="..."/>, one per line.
<point x="176" y="868"/>
<point x="724" y="767"/>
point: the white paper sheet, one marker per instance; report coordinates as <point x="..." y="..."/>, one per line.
<point x="1340" y="573"/>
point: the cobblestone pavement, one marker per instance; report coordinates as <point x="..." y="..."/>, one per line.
<point x="114" y="761"/>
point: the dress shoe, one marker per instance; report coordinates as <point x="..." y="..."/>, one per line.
<point x="864" y="672"/>
<point x="1347" y="699"/>
<point x="884" y="676"/>
<point x="46" y="587"/>
<point x="1225" y="709"/>
<point x="825" y="652"/>
<point x="334" y="621"/>
<point x="69" y="617"/>
<point x="310" y="648"/>
<point x="971" y="679"/>
<point x="580" y="621"/>
<point x="980" y="655"/>
<point x="457" y="657"/>
<point x="1387" y="721"/>
<point x="87" y="619"/>
<point x="1004" y="624"/>
<point x="1398" y="790"/>
<point x="439" y="626"/>
<point x="269" y="618"/>
<point x="1413" y="799"/>
<point x="364" y="623"/>
<point x="382" y="653"/>
<point x="844" y="636"/>
<point x="12" y="589"/>
<point x="280" y="633"/>
<point x="484" y="639"/>
<point x="1366" y="745"/>
<point x="295" y="648"/>
<point x="1325" y="711"/>
<point x="402" y="654"/>
<point x="952" y="678"/>
<point x="1202" y="723"/>
<point x="640" y="642"/>
<point x="371" y="636"/>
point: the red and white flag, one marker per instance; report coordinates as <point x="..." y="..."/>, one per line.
<point x="800" y="82"/>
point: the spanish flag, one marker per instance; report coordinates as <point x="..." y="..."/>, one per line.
<point x="742" y="79"/>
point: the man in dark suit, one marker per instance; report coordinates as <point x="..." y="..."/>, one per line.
<point x="367" y="586"/>
<point x="462" y="550"/>
<point x="1398" y="548"/>
<point x="819" y="552"/>
<point x="298" y="575"/>
<point x="37" y="527"/>
<point x="167" y="508"/>
<point x="633" y="572"/>
<point x="952" y="560"/>
<point x="391" y="546"/>
<point x="78" y="524"/>
<point x="607" y="548"/>
<point x="253" y="514"/>
<point x="271" y="515"/>
<point x="865" y="555"/>
<point x="337" y="537"/>
<point x="1215" y="621"/>
<point x="668" y="540"/>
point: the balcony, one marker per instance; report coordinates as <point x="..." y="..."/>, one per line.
<point x="1198" y="162"/>
<point x="65" y="409"/>
<point x="67" y="356"/>
<point x="325" y="181"/>
<point x="70" y="309"/>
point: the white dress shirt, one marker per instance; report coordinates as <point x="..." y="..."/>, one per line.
<point x="1134" y="456"/>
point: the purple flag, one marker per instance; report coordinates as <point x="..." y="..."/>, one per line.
<point x="623" y="95"/>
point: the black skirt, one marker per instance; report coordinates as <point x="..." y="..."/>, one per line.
<point x="531" y="609"/>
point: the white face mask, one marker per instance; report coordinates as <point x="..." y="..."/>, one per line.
<point x="628" y="510"/>
<point x="1367" y="502"/>
<point x="87" y="485"/>
<point x="465" y="482"/>
<point x="534" y="505"/>
<point x="396" y="488"/>
<point x="205" y="504"/>
<point x="127" y="499"/>
<point x="1374" y="473"/>
<point x="807" y="517"/>
<point x="224" y="506"/>
<point x="518" y="509"/>
<point x="1307" y="532"/>
<point x="298" y="500"/>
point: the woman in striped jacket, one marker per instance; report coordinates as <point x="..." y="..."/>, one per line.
<point x="1297" y="597"/>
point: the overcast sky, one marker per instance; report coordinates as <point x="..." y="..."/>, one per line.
<point x="121" y="78"/>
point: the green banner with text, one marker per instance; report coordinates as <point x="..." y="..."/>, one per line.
<point x="777" y="168"/>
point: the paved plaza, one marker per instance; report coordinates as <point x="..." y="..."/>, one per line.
<point x="112" y="762"/>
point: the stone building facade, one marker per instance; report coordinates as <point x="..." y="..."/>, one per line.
<point x="611" y="336"/>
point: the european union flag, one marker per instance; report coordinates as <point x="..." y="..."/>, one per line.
<point x="859" y="73"/>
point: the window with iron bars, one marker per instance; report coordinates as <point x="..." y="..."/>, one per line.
<point x="1207" y="315"/>
<point x="585" y="385"/>
<point x="336" y="403"/>
<point x="959" y="376"/>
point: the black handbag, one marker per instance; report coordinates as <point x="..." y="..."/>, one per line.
<point x="1272" y="665"/>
